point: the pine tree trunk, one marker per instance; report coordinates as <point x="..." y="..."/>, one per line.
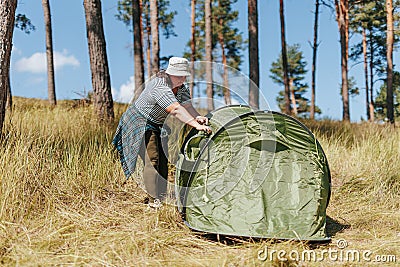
<point x="293" y="98"/>
<point x="342" y="8"/>
<point x="102" y="97"/>
<point x="51" y="88"/>
<point x="148" y="51"/>
<point x="314" y="60"/>
<point x="389" y="56"/>
<point x="138" y="46"/>
<point x="226" y="91"/>
<point x="155" y="36"/>
<point x="9" y="104"/>
<point x="364" y="44"/>
<point x="193" y="48"/>
<point x="147" y="36"/>
<point x="284" y="60"/>
<point x="254" y="68"/>
<point x="7" y="14"/>
<point x="371" y="77"/>
<point x="209" y="65"/>
<point x="141" y="26"/>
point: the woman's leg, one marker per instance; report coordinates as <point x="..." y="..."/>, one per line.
<point x="155" y="171"/>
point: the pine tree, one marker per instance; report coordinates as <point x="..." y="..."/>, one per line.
<point x="165" y="22"/>
<point x="192" y="47"/>
<point x="227" y="41"/>
<point x="51" y="87"/>
<point x="380" y="100"/>
<point x="252" y="16"/>
<point x="289" y="105"/>
<point x="208" y="50"/>
<point x="389" y="59"/>
<point x="155" y="59"/>
<point x="314" y="59"/>
<point x="296" y="75"/>
<point x="342" y="17"/>
<point x="7" y="12"/>
<point x="368" y="19"/>
<point x="102" y="97"/>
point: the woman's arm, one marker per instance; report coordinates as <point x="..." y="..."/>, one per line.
<point x="200" y="119"/>
<point x="184" y="115"/>
<point x="189" y="107"/>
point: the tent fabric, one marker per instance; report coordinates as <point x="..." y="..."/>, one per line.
<point x="260" y="174"/>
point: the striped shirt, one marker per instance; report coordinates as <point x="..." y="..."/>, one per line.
<point x="157" y="96"/>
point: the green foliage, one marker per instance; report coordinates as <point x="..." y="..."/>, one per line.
<point x="296" y="74"/>
<point x="296" y="67"/>
<point x="380" y="100"/>
<point x="224" y="18"/>
<point x="367" y="14"/>
<point x="125" y="12"/>
<point x="352" y="86"/>
<point x="165" y="17"/>
<point x="23" y="23"/>
<point x="370" y="15"/>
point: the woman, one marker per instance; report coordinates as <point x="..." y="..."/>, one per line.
<point x="140" y="127"/>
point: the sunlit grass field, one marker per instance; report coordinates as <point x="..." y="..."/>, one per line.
<point x="63" y="200"/>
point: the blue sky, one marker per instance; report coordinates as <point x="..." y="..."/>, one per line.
<point x="72" y="74"/>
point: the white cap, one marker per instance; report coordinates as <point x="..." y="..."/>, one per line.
<point x="178" y="66"/>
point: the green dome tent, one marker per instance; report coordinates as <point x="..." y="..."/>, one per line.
<point x="260" y="174"/>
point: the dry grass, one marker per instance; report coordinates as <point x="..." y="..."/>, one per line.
<point x="63" y="201"/>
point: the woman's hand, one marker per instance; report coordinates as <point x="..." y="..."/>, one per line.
<point x="178" y="111"/>
<point x="204" y="128"/>
<point x="202" y="120"/>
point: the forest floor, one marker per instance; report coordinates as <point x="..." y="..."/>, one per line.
<point x="64" y="202"/>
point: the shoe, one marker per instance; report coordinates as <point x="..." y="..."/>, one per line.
<point x="147" y="200"/>
<point x="156" y="204"/>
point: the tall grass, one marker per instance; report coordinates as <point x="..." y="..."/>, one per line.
<point x="53" y="157"/>
<point x="364" y="158"/>
<point x="63" y="200"/>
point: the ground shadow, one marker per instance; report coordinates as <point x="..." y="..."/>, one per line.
<point x="333" y="226"/>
